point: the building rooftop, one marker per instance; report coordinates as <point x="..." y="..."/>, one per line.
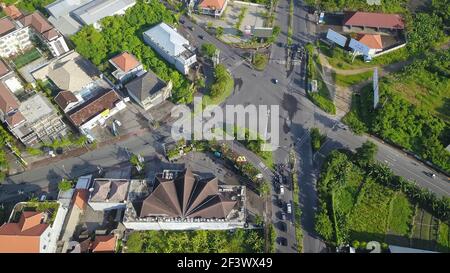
<point x="96" y="10"/>
<point x="212" y="4"/>
<point x="69" y="76"/>
<point x="64" y="98"/>
<point x="125" y="62"/>
<point x="8" y="102"/>
<point x="93" y="107"/>
<point x="12" y="11"/>
<point x="371" y="40"/>
<point x="6" y="26"/>
<point x="36" y="108"/>
<point x="378" y="20"/>
<point x="145" y="85"/>
<point x="109" y="190"/>
<point x="24" y="236"/>
<point x="4" y="69"/>
<point x="167" y="39"/>
<point x="37" y="21"/>
<point x="185" y="195"/>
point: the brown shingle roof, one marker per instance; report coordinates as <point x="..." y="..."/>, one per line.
<point x="186" y="196"/>
<point x="125" y="61"/>
<point x="6" y="26"/>
<point x="8" y="101"/>
<point x="37" y="21"/>
<point x="22" y="237"/>
<point x="368" y="19"/>
<point x="64" y="98"/>
<point x="12" y="11"/>
<point x="94" y="107"/>
<point x="81" y="198"/>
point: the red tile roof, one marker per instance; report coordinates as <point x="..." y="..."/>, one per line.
<point x="15" y="119"/>
<point x="6" y="26"/>
<point x="368" y="19"/>
<point x="212" y="4"/>
<point x="12" y="11"/>
<point x="39" y="22"/>
<point x="125" y="61"/>
<point x="371" y="40"/>
<point x="91" y="109"/>
<point x="22" y="237"/>
<point x="4" y="69"/>
<point x="81" y="198"/>
<point x="8" y="101"/>
<point x="104" y="243"/>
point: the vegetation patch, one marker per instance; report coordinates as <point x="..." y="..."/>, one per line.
<point x="221" y="88"/>
<point x="26" y="58"/>
<point x="199" y="241"/>
<point x="349" y="80"/>
<point x="260" y="61"/>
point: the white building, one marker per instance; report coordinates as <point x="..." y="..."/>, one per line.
<point x="173" y="47"/>
<point x="14" y="37"/>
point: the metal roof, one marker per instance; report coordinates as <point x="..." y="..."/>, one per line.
<point x="96" y="10"/>
<point x="167" y="39"/>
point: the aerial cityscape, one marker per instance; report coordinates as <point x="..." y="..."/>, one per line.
<point x="225" y="126"/>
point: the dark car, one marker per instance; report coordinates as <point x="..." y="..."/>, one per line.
<point x="201" y="37"/>
<point x="191" y="28"/>
<point x="278" y="202"/>
<point x="282" y="241"/>
<point x="280" y="44"/>
<point x="275" y="81"/>
<point x="282" y="226"/>
<point x="181" y="21"/>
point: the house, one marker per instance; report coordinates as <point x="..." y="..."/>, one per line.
<point x="372" y="41"/>
<point x="212" y="7"/>
<point x="36" y="120"/>
<point x="12" y="11"/>
<point x="362" y="22"/>
<point x="43" y="30"/>
<point x="96" y="111"/>
<point x="173" y="47"/>
<point x="71" y="72"/>
<point x="93" y="12"/>
<point x="9" y="108"/>
<point x="14" y="38"/>
<point x="126" y="65"/>
<point x="66" y="100"/>
<point x="108" y="194"/>
<point x="99" y="244"/>
<point x="30" y="235"/>
<point x="69" y="16"/>
<point x="182" y="200"/>
<point x="148" y="90"/>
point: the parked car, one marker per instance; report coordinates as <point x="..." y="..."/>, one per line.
<point x="181" y="21"/>
<point x="201" y="37"/>
<point x="191" y="28"/>
<point x="283" y="216"/>
<point x="281" y="189"/>
<point x="278" y="202"/>
<point x="282" y="226"/>
<point x="275" y="81"/>
<point x="289" y="208"/>
<point x="43" y="198"/>
<point x="282" y="241"/>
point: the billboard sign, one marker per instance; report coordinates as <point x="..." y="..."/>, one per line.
<point x="376" y="95"/>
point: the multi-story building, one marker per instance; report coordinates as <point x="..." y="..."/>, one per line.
<point x="126" y="65"/>
<point x="173" y="47"/>
<point x="14" y="37"/>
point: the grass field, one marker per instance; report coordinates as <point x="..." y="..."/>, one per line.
<point x="443" y="238"/>
<point x="27" y="57"/>
<point x="338" y="58"/>
<point x="369" y="217"/>
<point x="401" y="215"/>
<point x="425" y="230"/>
<point x="349" y="80"/>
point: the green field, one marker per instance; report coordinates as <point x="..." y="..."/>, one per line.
<point x="27" y="57"/>
<point x="400" y="216"/>
<point x="349" y="80"/>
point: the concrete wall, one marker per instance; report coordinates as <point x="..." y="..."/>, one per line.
<point x="183" y="225"/>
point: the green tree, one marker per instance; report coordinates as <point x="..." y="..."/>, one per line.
<point x="64" y="185"/>
<point x="208" y="50"/>
<point x="366" y="153"/>
<point x="219" y="31"/>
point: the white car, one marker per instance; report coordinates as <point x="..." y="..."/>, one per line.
<point x="289" y="208"/>
<point x="281" y="189"/>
